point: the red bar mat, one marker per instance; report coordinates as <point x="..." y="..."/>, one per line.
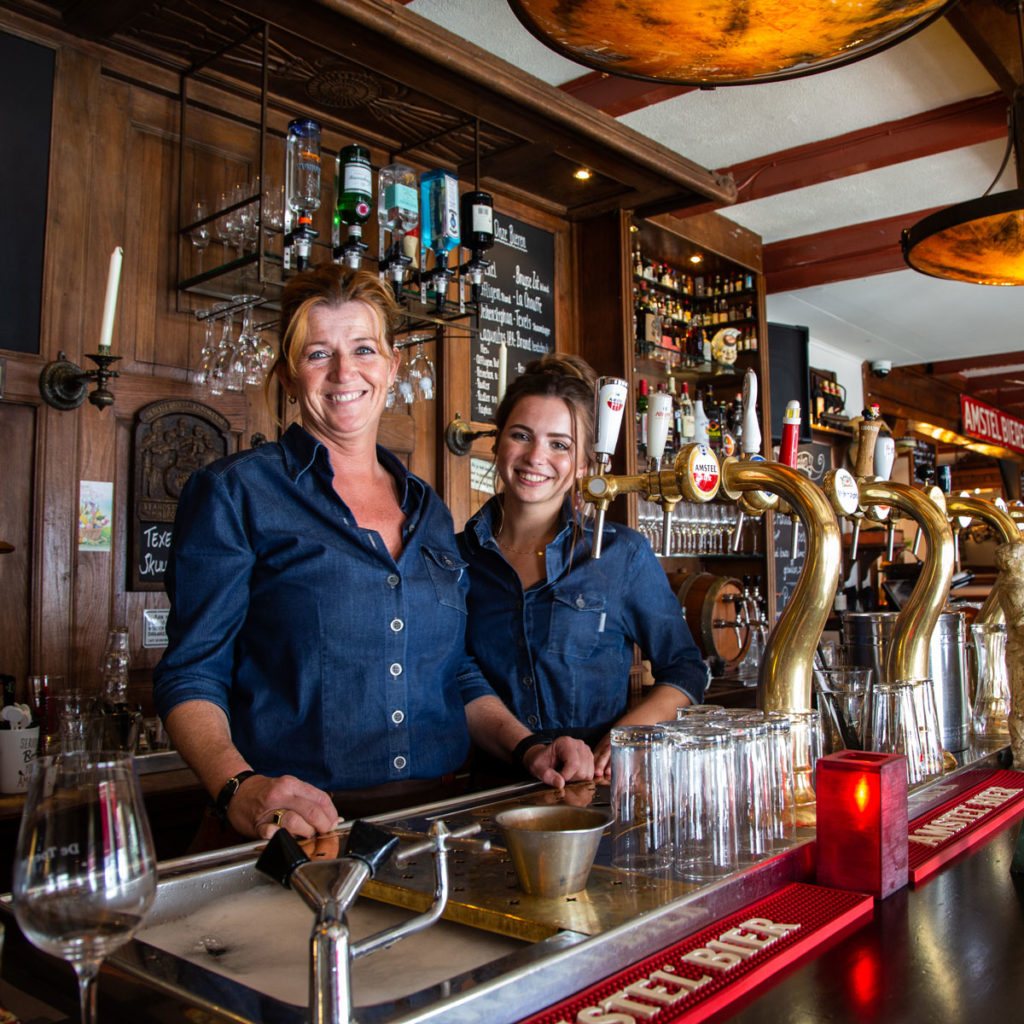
<point x="711" y="969"/>
<point x="966" y="820"/>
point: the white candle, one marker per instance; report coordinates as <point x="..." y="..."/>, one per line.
<point x="110" y="304"/>
<point x="502" y="370"/>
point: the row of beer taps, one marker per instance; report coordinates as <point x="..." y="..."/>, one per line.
<point x="758" y="485"/>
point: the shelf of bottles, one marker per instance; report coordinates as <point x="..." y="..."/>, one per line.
<point x="431" y="241"/>
<point x="700" y="321"/>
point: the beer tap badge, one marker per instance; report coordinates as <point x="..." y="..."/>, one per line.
<point x="703" y="470"/>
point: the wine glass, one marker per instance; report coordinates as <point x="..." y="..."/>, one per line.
<point x="421" y="374"/>
<point x="84" y="868"/>
<point x="200" y="233"/>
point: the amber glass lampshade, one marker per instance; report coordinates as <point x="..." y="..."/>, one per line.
<point x="721" y="42"/>
<point x="980" y="241"/>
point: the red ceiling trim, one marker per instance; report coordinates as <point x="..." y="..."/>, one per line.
<point x="860" y="250"/>
<point x="617" y="96"/>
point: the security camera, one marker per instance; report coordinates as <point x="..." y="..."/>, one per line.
<point x="881" y="368"/>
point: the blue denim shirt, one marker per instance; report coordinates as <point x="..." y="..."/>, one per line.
<point x="333" y="661"/>
<point x="559" y="654"/>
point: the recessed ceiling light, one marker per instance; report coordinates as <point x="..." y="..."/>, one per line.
<point x="582" y="174"/>
<point x="696" y="258"/>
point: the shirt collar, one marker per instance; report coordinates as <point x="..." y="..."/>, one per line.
<point x="484" y="523"/>
<point x="302" y="449"/>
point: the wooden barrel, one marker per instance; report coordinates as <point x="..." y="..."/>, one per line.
<point x="712" y="608"/>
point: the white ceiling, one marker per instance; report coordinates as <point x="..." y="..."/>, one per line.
<point x="904" y="316"/>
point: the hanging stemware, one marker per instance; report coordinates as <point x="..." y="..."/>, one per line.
<point x="422" y="374"/>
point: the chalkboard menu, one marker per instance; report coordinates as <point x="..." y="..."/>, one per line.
<point x="924" y="462"/>
<point x="814" y="460"/>
<point x="517" y="307"/>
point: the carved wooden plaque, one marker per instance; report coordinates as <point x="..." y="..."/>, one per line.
<point x="172" y="439"/>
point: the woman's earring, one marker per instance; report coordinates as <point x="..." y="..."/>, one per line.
<point x="292" y="399"/>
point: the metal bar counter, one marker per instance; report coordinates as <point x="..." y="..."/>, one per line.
<point x="947" y="951"/>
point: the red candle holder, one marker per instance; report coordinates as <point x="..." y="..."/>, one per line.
<point x="862" y="837"/>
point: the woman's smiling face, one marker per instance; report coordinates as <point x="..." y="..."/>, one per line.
<point x="538" y="455"/>
<point x="342" y="373"/>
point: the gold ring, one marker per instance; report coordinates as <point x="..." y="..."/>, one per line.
<point x="276" y="817"/>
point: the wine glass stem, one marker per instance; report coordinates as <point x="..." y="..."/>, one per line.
<point x="86" y="972"/>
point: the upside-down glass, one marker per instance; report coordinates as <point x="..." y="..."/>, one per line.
<point x="84" y="869"/>
<point x="640" y="797"/>
<point x="992" y="694"/>
<point x="893" y="727"/>
<point x="704" y="835"/>
<point x="753" y="779"/>
<point x="929" y="733"/>
<point x="807" y="742"/>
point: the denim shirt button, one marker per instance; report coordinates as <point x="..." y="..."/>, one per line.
<point x="580" y="603"/>
<point x="399" y="762"/>
<point x="398" y="717"/>
<point x="528" y="682"/>
<point x="532" y="720"/>
<point x="393" y="580"/>
<point x="396" y="670"/>
<point x="397" y="625"/>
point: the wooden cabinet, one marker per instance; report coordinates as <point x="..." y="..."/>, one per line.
<point x="618" y="342"/>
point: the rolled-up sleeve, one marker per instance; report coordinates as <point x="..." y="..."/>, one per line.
<point x="656" y="623"/>
<point x="207" y="579"/>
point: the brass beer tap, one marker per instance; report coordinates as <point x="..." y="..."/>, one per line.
<point x="1002" y="521"/>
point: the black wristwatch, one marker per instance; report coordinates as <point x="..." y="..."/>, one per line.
<point x="227" y="791"/>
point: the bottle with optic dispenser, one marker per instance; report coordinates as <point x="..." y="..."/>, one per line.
<point x="302" y="188"/>
<point x="439" y="210"/>
<point x="355" y="201"/>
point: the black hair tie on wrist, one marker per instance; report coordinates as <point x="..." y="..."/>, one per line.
<point x="533" y="740"/>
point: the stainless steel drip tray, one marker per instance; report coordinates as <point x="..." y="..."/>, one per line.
<point x="224" y="939"/>
<point x="234" y="924"/>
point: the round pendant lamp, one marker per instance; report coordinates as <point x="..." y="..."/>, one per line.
<point x="721" y="42"/>
<point x="980" y="241"/>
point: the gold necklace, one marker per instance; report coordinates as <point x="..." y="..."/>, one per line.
<point x="518" y="551"/>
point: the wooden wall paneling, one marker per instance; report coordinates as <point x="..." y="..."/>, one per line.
<point x="454" y="398"/>
<point x="17" y="519"/>
<point x="72" y="279"/>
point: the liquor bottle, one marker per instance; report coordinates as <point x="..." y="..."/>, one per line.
<point x="687" y="417"/>
<point x="477" y="231"/>
<point x="641" y="416"/>
<point x="118" y="720"/>
<point x="302" y="188"/>
<point x="714" y="413"/>
<point x="397" y="214"/>
<point x="355" y="192"/>
<point x="477" y="221"/>
<point x="355" y="200"/>
<point x="439" y="211"/>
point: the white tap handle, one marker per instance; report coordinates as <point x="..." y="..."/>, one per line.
<point x="610" y="403"/>
<point x="751" y="428"/>
<point x="885" y="456"/>
<point x="700" y="423"/>
<point x="659" y="418"/>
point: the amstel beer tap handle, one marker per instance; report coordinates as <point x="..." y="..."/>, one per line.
<point x="787" y="449"/>
<point x="609" y="403"/>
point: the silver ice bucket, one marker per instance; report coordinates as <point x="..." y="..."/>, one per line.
<point x="866" y="635"/>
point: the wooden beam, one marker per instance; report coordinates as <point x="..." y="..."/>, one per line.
<point x="616" y="96"/>
<point x="954" y="126"/>
<point x="991" y="35"/>
<point x="947" y="367"/>
<point x="859" y="250"/>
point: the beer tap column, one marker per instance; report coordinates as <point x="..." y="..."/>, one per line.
<point x="864" y="471"/>
<point x="1003" y="523"/>
<point x="786" y="670"/>
<point x="907" y="655"/>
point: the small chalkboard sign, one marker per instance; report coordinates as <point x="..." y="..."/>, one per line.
<point x="517" y="307"/>
<point x="814" y="460"/>
<point x="154" y="544"/>
<point x="924" y="462"/>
